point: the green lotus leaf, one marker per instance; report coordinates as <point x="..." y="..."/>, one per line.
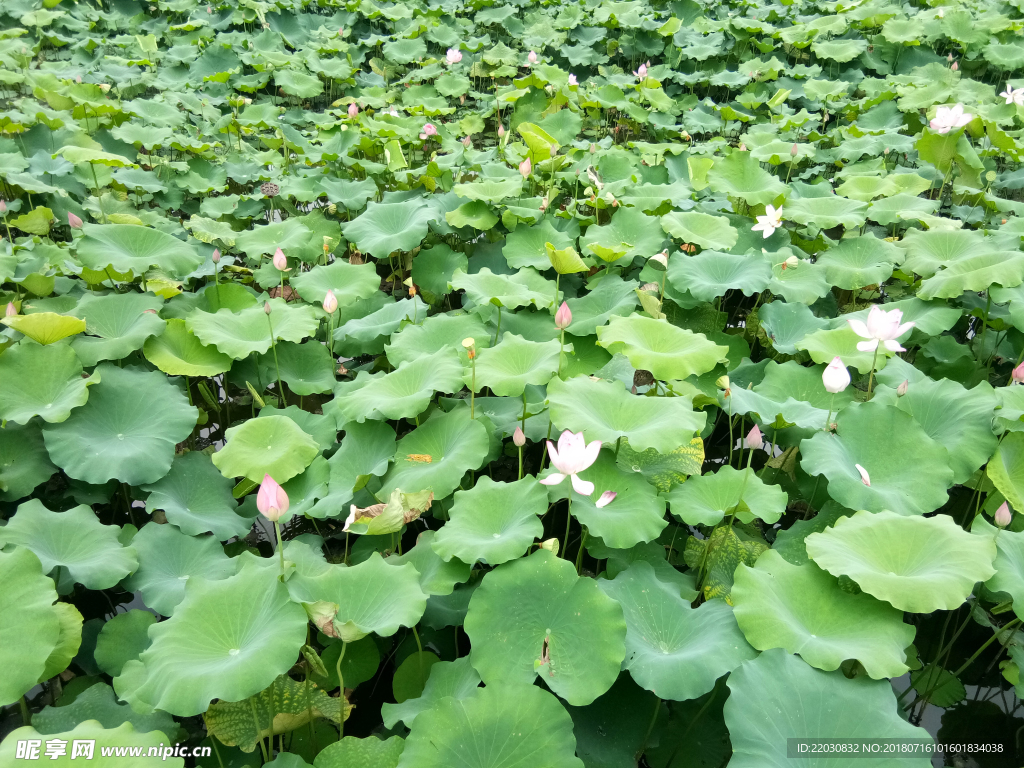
<point x="75" y="540"/>
<point x="30" y="628"/>
<point x="788" y="394"/>
<point x="824" y="345"/>
<point x="535" y="617"/>
<point x="527" y="246"/>
<point x="35" y="222"/>
<point x="860" y="261"/>
<point x="802" y="609"/>
<point x="665" y="350"/>
<point x="126" y="431"/>
<point x="437" y="576"/>
<point x="306" y="368"/>
<point x="521" y="289"/>
<point x="360" y="663"/>
<point x="901" y="207"/>
<point x="611" y="297"/>
<point x="1009" y="562"/>
<point x="711" y="274"/>
<point x="24" y="462"/>
<point x="69" y="640"/>
<point x="100" y="739"/>
<point x="803" y="284"/>
<point x="512" y="364"/>
<point x="272" y="445"/>
<point x="672" y="649"/>
<point x="98" y="702"/>
<point x="826" y="212"/>
<point x="122" y="639"/>
<point x="196" y="498"/>
<point x="567" y="262"/>
<point x="41" y="381"/>
<point x="371" y="752"/>
<point x="403" y="393"/>
<point x="786" y="324"/>
<point x="287" y="235"/>
<point x="872" y="549"/>
<point x="739" y="175"/>
<point x="437" y="454"/>
<point x="367" y="334"/>
<point x="856" y="442"/>
<point x="296" y="83"/>
<point x="348" y="282"/>
<point x="227" y="640"/>
<point x="928" y="252"/>
<point x="493" y="522"/>
<point x="45" y="327"/>
<point x="605" y="410"/>
<point x="129" y="248"/>
<point x="411" y="675"/>
<point x="456" y="679"/>
<point x="1006" y="469"/>
<point x="366" y="450"/>
<point x="239" y="334"/>
<point x="117" y="324"/>
<point x="777" y="697"/>
<point x="386" y="227"/>
<point x="663" y="470"/>
<point x="435" y="333"/>
<point x="433" y="268"/>
<point x="839" y="50"/>
<point x="511" y="725"/>
<point x="638" y="233"/>
<point x="491" y="190"/>
<point x="701" y="228"/>
<point x="178" y="352"/>
<point x="475" y="214"/>
<point x="707" y="499"/>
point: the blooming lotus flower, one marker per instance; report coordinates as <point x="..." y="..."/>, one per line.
<point x="606" y="498"/>
<point x="429" y="129"/>
<point x="754" y="440"/>
<point x="1003" y="515"/>
<point x="531" y="58"/>
<point x="525" y="167"/>
<point x="641" y="71"/>
<point x="280" y="262"/>
<point x="768" y="223"/>
<point x="353" y="109"/>
<point x="948" y="118"/>
<point x="518" y="438"/>
<point x="454" y="55"/>
<point x="864" y="477"/>
<point x="563" y="317"/>
<point x="330" y="303"/>
<point x="74" y="222"/>
<point x="1018" y="373"/>
<point x="1013" y="96"/>
<point x="572" y="80"/>
<point x="271" y="500"/>
<point x="881" y="327"/>
<point x="835" y="377"/>
<point x="572" y="456"/>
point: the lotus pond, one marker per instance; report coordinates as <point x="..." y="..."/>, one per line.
<point x="471" y="384"/>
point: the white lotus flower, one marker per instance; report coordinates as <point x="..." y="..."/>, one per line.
<point x="768" y="223"/>
<point x="572" y="456"/>
<point x="1013" y="96"/>
<point x="948" y="118"/>
<point x="881" y="327"/>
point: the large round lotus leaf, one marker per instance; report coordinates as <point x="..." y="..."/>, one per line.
<point x="437" y="577"/>
<point x="116" y="323"/>
<point x="630" y="231"/>
<point x="271" y="445"/>
<point x="802" y="609"/>
<point x="29" y="625"/>
<point x="24" y="462"/>
<point x="534" y="617"/>
<point x="122" y="639"/>
<point x="514" y="362"/>
<point x="130" y="248"/>
<point x="667" y="351"/>
<point x="386" y="227"/>
<point x="371" y="752"/>
<point x="916" y="564"/>
<point x="401" y="394"/>
<point x="41" y="381"/>
<point x="777" y="697"/>
<point x="168" y="559"/>
<point x="511" y="726"/>
<point x="884" y="441"/>
<point x="605" y="410"/>
<point x="99" y="739"/>
<point x="456" y="679"/>
<point x="977" y="273"/>
<point x="307" y="368"/>
<point x="127" y="431"/>
<point x="786" y="324"/>
<point x="739" y="175"/>
<point x="672" y="649"/>
<point x="612" y="296"/>
<point x="493" y="522"/>
<point x="491" y="190"/>
<point x="366" y="450"/>
<point x="98" y="702"/>
<point x="227" y="640"/>
<point x="707" y="499"/>
<point x="859" y="261"/>
<point x="436" y="333"/>
<point x="178" y="352"/>
<point x="371" y="597"/>
<point x="196" y="498"/>
<point x="239" y="334"/>
<point x="69" y="640"/>
<point x="711" y="274"/>
<point x="701" y="228"/>
<point x="321" y="428"/>
<point x="521" y="289"/>
<point x="287" y="235"/>
<point x="348" y="282"/>
<point x="437" y="454"/>
<point x="1006" y="469"/>
<point x="367" y="330"/>
<point x="789" y="393"/>
<point x="75" y="540"/>
<point x="1009" y="562"/>
<point x="826" y="212"/>
<point x="432" y="269"/>
<point x="526" y="246"/>
<point x="804" y="284"/>
<point x="636" y="515"/>
<point x="45" y="327"/>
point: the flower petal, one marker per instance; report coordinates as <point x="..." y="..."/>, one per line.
<point x="893" y="346"/>
<point x="606" y="498"/>
<point x="581" y="486"/>
<point x="867" y="346"/>
<point x="859" y="328"/>
<point x="553" y="479"/>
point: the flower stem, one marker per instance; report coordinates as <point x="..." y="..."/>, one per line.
<point x="280" y="546"/>
<point x="561" y="347"/>
<point x="831" y="407"/>
<point x="497" y="333"/>
<point x="871" y="376"/>
<point x="472" y="389"/>
<point x="273" y="346"/>
<point x="341" y="690"/>
<point x="568" y="520"/>
<point x="579" y="555"/>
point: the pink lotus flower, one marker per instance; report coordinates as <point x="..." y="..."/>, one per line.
<point x="11" y="310"/>
<point x="768" y="223"/>
<point x="563" y="317"/>
<point x="73" y="221"/>
<point x="518" y="438"/>
<point x="454" y="55"/>
<point x="429" y="129"/>
<point x="754" y="440"/>
<point x="280" y="262"/>
<point x="216" y="256"/>
<point x="948" y="118"/>
<point x="572" y="456"/>
<point x="835" y="376"/>
<point x="881" y="327"/>
<point x="1018" y="373"/>
<point x="1003" y="515"/>
<point x="531" y="59"/>
<point x="330" y="303"/>
<point x="641" y="72"/>
<point x="606" y="498"/>
<point x="864" y="477"/>
<point x="572" y="80"/>
<point x="271" y="500"/>
<point x="501" y="131"/>
<point x="525" y="167"/>
<point x="353" y="109"/>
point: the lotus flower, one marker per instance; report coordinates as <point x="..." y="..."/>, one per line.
<point x="280" y="262"/>
<point x="563" y="317"/>
<point x="754" y="440"/>
<point x="11" y="310"/>
<point x="835" y="377"/>
<point x="531" y="59"/>
<point x="454" y="55"/>
<point x="901" y="390"/>
<point x="501" y="131"/>
<point x="216" y="256"/>
<point x="73" y="221"/>
<point x="525" y="167"/>
<point x="948" y="118"/>
<point x="3" y="206"/>
<point x="881" y="327"/>
<point x="572" y="80"/>
<point x="1018" y="373"/>
<point x="353" y="109"/>
<point x="768" y="223"/>
<point x="641" y="71"/>
<point x="271" y="500"/>
<point x="266" y="307"/>
<point x="606" y="498"/>
<point x="518" y="438"/>
<point x="429" y="129"/>
<point x="330" y="303"/>
<point x="864" y="477"/>
<point x="1013" y="96"/>
<point x="572" y="456"/>
<point x="1003" y="515"/>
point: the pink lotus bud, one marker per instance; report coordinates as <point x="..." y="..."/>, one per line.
<point x="901" y="390"/>
<point x="563" y="317"/>
<point x="330" y="303"/>
<point x="754" y="440"/>
<point x="955" y="66"/>
<point x="429" y="129"/>
<point x="501" y="131"/>
<point x="525" y="167"/>
<point x="532" y="58"/>
<point x="11" y="309"/>
<point x="341" y="31"/>
<point x="864" y="477"/>
<point x="794" y="150"/>
<point x="642" y="71"/>
<point x="280" y="262"/>
<point x="78" y="79"/>
<point x="467" y="142"/>
<point x="3" y="206"/>
<point x="271" y="500"/>
<point x="266" y="307"/>
<point x="1003" y="515"/>
<point x="572" y="80"/>
<point x="518" y="438"/>
<point x="606" y="498"/>
<point x="73" y="221"/>
<point x="216" y="256"/>
<point x="353" y="109"/>
<point x="949" y="57"/>
<point x="835" y="376"/>
<point x="1018" y="373"/>
<point x="593" y="148"/>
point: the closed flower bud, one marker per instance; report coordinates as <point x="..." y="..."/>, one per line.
<point x="563" y="317"/>
<point x="518" y="438"/>
<point x="271" y="500"/>
<point x="73" y="221"/>
<point x="1018" y="373"/>
<point x="330" y="303"/>
<point x="532" y="58"/>
<point x="216" y="256"/>
<point x="553" y="150"/>
<point x="3" y="206"/>
<point x="1003" y="515"/>
<point x="525" y="168"/>
<point x="794" y="150"/>
<point x="353" y="109"/>
<point x="835" y="376"/>
<point x="280" y="262"/>
<point x="501" y="131"/>
<point x="11" y="309"/>
<point x="754" y="440"/>
<point x="593" y="148"/>
<point x="901" y="390"/>
<point x="266" y="307"/>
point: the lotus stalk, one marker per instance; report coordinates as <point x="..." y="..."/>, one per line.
<point x="563" y="319"/>
<point x="469" y="344"/>
<point x="273" y="346"/>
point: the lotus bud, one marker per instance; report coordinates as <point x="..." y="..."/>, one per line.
<point x="563" y="317"/>
<point x="280" y="262"/>
<point x="525" y="168"/>
<point x="1003" y="515"/>
<point x="901" y="390"/>
<point x="949" y="57"/>
<point x="467" y="142"/>
<point x="429" y="129"/>
<point x="353" y="109"/>
<point x="864" y="477"/>
<point x="73" y="221"/>
<point x="330" y="303"/>
<point x="216" y="256"/>
<point x="462" y="99"/>
<point x="606" y="498"/>
<point x="105" y="87"/>
<point x="518" y="438"/>
<point x="553" y="150"/>
<point x="835" y="376"/>
<point x="722" y="382"/>
<point x="266" y="307"/>
<point x="955" y="66"/>
<point x="3" y="206"/>
<point x="754" y="440"/>
<point x="532" y="58"/>
<point x="11" y="310"/>
<point x="1018" y="373"/>
<point x="341" y="31"/>
<point x="271" y="500"/>
<point x="501" y="131"/>
<point x="942" y="13"/>
<point x="743" y="147"/>
<point x="551" y="545"/>
<point x="593" y="148"/>
<point x="572" y="80"/>
<point x="791" y="263"/>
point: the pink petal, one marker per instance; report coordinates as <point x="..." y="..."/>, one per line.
<point x="859" y="328"/>
<point x="902" y="329"/>
<point x="590" y="454"/>
<point x="581" y="486"/>
<point x="606" y="498"/>
<point x="556" y="460"/>
<point x="553" y="479"/>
